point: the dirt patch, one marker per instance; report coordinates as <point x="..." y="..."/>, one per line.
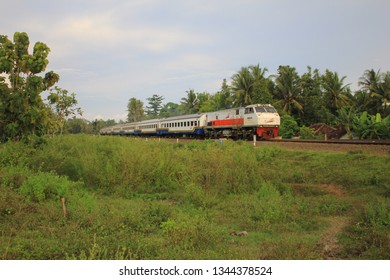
<point x="329" y="242"/>
<point x="333" y="189"/>
<point x="318" y="189"/>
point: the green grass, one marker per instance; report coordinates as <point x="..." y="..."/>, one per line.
<point x="134" y="199"/>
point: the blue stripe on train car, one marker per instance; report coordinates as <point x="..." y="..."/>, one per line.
<point x="162" y="132"/>
<point x="199" y="131"/>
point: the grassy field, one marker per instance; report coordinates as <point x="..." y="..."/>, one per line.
<point x="134" y="199"/>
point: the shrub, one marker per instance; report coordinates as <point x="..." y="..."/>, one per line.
<point x="42" y="186"/>
<point x="288" y="126"/>
<point x="307" y="133"/>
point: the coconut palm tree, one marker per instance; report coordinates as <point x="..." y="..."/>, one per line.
<point x="249" y="85"/>
<point x="242" y="87"/>
<point x="337" y="93"/>
<point x="190" y="104"/>
<point x="372" y="84"/>
<point x="288" y="90"/>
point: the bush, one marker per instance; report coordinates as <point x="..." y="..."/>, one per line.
<point x="42" y="186"/>
<point x="288" y="126"/>
<point x="307" y="133"/>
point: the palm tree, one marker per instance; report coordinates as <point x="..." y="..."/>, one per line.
<point x="135" y="110"/>
<point x="242" y="86"/>
<point x="190" y="104"/>
<point x="385" y="90"/>
<point x="249" y="85"/>
<point x="371" y="85"/>
<point x="288" y="90"/>
<point x="337" y="93"/>
<point x="370" y="81"/>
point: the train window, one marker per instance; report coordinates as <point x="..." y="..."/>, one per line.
<point x="270" y="109"/>
<point x="260" y="109"/>
<point x="249" y="110"/>
<point x="237" y="111"/>
<point x="188" y="123"/>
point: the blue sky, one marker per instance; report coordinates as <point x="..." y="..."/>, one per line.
<point x="108" y="51"/>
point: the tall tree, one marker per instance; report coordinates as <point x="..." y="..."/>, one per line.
<point x="288" y="90"/>
<point x="154" y="105"/>
<point x="135" y="110"/>
<point x="262" y="86"/>
<point x="22" y="110"/>
<point x="313" y="101"/>
<point x="376" y="86"/>
<point x="190" y="104"/>
<point x="385" y="90"/>
<point x="336" y="92"/>
<point x="249" y="86"/>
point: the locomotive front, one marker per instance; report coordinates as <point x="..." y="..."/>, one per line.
<point x="265" y="118"/>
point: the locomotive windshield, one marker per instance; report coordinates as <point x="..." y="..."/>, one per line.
<point x="264" y="109"/>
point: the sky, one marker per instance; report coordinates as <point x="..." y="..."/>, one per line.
<point x="108" y="51"/>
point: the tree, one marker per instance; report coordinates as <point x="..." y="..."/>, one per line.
<point x="249" y="86"/>
<point x="337" y="93"/>
<point x="313" y="101"/>
<point x="262" y="87"/>
<point x="346" y="117"/>
<point x="22" y="110"/>
<point x="288" y="90"/>
<point x="190" y="104"/>
<point x="63" y="105"/>
<point x="224" y="98"/>
<point x="376" y="86"/>
<point x="169" y="110"/>
<point x="135" y="110"/>
<point x="155" y="105"/>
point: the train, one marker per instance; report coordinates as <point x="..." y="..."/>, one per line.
<point x="261" y="120"/>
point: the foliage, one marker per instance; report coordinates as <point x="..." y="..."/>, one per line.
<point x="288" y="126"/>
<point x="288" y="90"/>
<point x="135" y="110"/>
<point x="63" y="105"/>
<point x="154" y="108"/>
<point x="41" y="186"/>
<point x="190" y="104"/>
<point x="23" y="114"/>
<point x="249" y="86"/>
<point x="307" y="133"/>
<point x="337" y="94"/>
<point x="22" y="111"/>
<point x="368" y="126"/>
<point x="346" y="117"/>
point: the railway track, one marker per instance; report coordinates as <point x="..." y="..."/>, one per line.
<point x="276" y="140"/>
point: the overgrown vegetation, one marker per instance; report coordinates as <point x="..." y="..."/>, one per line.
<point x="133" y="199"/>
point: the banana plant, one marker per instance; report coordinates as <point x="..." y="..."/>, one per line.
<point x="368" y="126"/>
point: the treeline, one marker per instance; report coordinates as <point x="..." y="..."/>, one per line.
<point x="309" y="98"/>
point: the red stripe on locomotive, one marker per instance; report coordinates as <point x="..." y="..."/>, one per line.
<point x="228" y="122"/>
